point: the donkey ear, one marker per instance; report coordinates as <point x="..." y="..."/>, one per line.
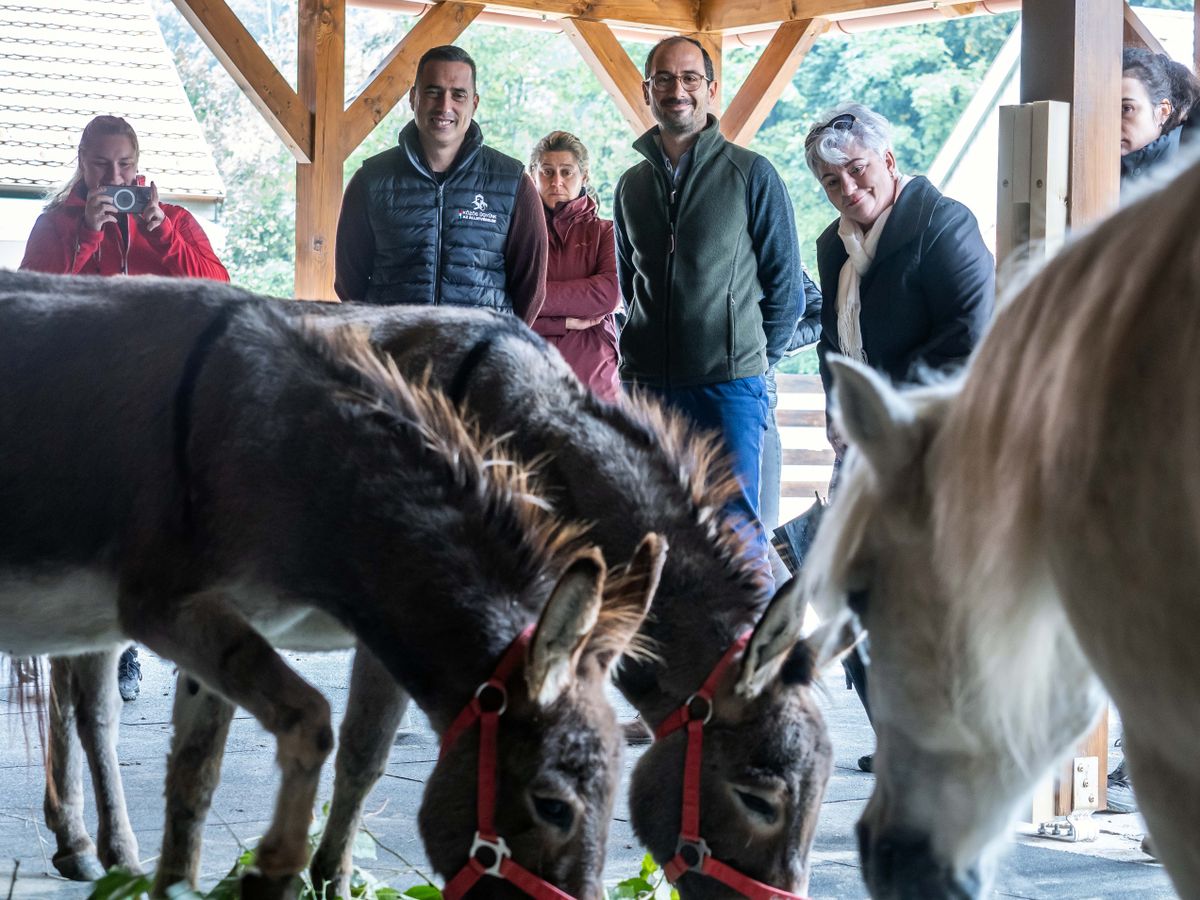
<point x="873" y="416"/>
<point x="564" y="627"/>
<point x="776" y="634"/>
<point x="627" y="599"/>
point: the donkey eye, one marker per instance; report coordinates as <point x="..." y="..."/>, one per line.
<point x="554" y="812"/>
<point x="757" y="805"/>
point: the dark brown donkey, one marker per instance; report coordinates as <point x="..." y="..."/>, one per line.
<point x="188" y="468"/>
<point x="630" y="469"/>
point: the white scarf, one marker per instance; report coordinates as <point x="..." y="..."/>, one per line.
<point x="860" y="253"/>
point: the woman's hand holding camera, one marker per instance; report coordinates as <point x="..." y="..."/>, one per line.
<point x="153" y="214"/>
<point x="99" y="209"/>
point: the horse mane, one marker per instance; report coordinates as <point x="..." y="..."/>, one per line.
<point x="1092" y="361"/>
<point x="484" y="480"/>
<point x="694" y="462"/>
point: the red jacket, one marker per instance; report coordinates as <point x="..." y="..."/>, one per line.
<point x="61" y="244"/>
<point x="581" y="283"/>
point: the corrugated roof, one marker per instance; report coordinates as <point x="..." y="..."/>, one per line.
<point x="62" y="62"/>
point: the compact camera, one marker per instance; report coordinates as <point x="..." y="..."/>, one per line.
<point x="128" y="198"/>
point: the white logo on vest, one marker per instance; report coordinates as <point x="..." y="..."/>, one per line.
<point x="479" y="213"/>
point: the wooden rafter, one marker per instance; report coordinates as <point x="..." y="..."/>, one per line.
<point x="393" y="77"/>
<point x="252" y="71"/>
<point x="612" y="66"/>
<point x="769" y="77"/>
<point x="1138" y="34"/>
<point x="721" y="15"/>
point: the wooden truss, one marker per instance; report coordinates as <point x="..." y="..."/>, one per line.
<point x="321" y="127"/>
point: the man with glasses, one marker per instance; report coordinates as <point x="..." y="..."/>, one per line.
<point x="709" y="267"/>
<point x="441" y="218"/>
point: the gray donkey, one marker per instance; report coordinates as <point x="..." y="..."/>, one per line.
<point x="626" y="469"/>
<point x="186" y="467"/>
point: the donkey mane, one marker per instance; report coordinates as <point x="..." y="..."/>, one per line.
<point x="696" y="464"/>
<point x="483" y="479"/>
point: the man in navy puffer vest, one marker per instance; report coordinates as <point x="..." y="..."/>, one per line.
<point x="440" y="218"/>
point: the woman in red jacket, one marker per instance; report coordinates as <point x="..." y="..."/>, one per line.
<point x="581" y="278"/>
<point x="82" y="232"/>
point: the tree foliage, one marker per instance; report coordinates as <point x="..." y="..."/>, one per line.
<point x="532" y="82"/>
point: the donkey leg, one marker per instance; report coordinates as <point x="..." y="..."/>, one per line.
<point x="76" y="856"/>
<point x="1167" y="787"/>
<point x="209" y="638"/>
<point x="374" y="708"/>
<point x="200" y="721"/>
<point x="98" y="718"/>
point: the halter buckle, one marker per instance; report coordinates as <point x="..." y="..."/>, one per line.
<point x="497" y="850"/>
<point x="490" y="702"/>
<point x="692" y="853"/>
<point x="701" y="703"/>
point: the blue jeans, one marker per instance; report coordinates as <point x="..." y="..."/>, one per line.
<point x="738" y="410"/>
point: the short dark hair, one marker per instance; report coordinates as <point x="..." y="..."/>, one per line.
<point x="709" y="72"/>
<point x="446" y="53"/>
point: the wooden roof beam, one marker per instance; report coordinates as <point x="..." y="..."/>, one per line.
<point x="612" y="66"/>
<point x="1138" y="34"/>
<point x="722" y="15"/>
<point x="769" y="78"/>
<point x="253" y="71"/>
<point x="393" y="77"/>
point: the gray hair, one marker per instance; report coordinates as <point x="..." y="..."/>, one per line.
<point x="829" y="145"/>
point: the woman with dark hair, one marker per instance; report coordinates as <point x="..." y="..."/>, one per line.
<point x="1157" y="96"/>
<point x="581" y="276"/>
<point x="82" y="231"/>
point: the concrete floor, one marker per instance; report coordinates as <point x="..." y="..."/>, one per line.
<point x="1033" y="868"/>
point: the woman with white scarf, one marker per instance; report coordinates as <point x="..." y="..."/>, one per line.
<point x="907" y="280"/>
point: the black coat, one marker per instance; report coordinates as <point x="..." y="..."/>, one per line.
<point x="928" y="296"/>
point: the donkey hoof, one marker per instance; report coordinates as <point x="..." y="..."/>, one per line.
<point x="257" y="886"/>
<point x="79" y="866"/>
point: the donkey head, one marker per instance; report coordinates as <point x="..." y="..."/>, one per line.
<point x="766" y="758"/>
<point x="558" y="747"/>
<point x="962" y="731"/>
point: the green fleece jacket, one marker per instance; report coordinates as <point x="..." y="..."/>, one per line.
<point x="710" y="271"/>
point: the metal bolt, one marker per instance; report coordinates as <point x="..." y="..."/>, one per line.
<point x="1004" y="183"/>
<point x="1039" y="182"/>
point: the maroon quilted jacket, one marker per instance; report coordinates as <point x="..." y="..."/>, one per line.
<point x="581" y="283"/>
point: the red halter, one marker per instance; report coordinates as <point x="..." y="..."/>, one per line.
<point x="691" y="852"/>
<point x="489" y="852"/>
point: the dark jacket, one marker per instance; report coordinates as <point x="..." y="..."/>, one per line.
<point x="581" y="283"/>
<point x="409" y="235"/>
<point x="928" y="296"/>
<point x="62" y="244"/>
<point x="711" y="272"/>
<point x="1159" y="151"/>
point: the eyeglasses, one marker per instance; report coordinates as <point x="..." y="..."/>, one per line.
<point x="844" y="122"/>
<point x="664" y="81"/>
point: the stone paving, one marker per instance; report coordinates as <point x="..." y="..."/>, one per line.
<point x="1032" y="868"/>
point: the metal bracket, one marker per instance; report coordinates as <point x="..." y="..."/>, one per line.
<point x="1078" y="824"/>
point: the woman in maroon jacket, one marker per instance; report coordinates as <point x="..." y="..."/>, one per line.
<point x="83" y="233"/>
<point x="581" y="279"/>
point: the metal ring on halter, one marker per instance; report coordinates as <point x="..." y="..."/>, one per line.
<point x="499" y="688"/>
<point x="699" y="848"/>
<point x="708" y="713"/>
<point x="499" y="850"/>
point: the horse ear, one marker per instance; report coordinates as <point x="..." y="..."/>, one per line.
<point x="564" y="627"/>
<point x="872" y="416"/>
<point x="627" y="599"/>
<point x="773" y="638"/>
<point x="833" y="639"/>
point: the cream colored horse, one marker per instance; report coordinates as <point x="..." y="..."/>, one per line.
<point x="1022" y="538"/>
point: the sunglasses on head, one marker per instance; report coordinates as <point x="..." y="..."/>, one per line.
<point x="844" y="122"/>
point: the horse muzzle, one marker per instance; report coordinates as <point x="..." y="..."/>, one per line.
<point x="901" y="865"/>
